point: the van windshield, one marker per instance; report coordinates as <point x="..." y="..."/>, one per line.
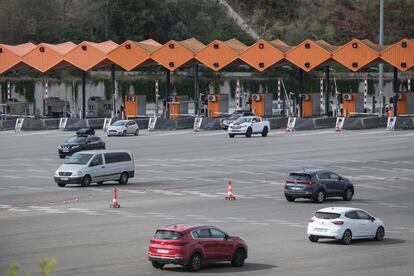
<point x="79" y="159"/>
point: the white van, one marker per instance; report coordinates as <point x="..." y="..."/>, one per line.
<point x="97" y="166"/>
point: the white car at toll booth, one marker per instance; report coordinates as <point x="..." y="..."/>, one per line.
<point x="345" y="224"/>
<point x="249" y="125"/>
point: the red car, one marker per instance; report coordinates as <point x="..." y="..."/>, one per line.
<point x="195" y="245"/>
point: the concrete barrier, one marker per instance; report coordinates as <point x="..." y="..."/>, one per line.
<point x="304" y="124"/>
<point x="33" y="124"/>
<point x="7" y="124"/>
<point x="96" y="123"/>
<point x="324" y="122"/>
<point x="403" y="123"/>
<point x="165" y="124"/>
<point x="184" y="123"/>
<point x="75" y="124"/>
<point x="142" y="123"/>
<point x="364" y="123"/>
<point x="277" y="123"/>
<point x="211" y="123"/>
<point x="51" y="123"/>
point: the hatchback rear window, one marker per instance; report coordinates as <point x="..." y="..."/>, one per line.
<point x="326" y="215"/>
<point x="167" y="235"/>
<point x="300" y="176"/>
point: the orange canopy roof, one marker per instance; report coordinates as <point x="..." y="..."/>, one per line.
<point x="400" y="54"/>
<point x="11" y="56"/>
<point x="45" y="56"/>
<point x="88" y="55"/>
<point x="355" y="54"/>
<point x="172" y="55"/>
<point x="262" y="55"/>
<point x="308" y="55"/>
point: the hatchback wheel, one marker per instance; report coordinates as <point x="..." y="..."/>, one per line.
<point x="265" y="132"/>
<point x="249" y="132"/>
<point x="195" y="262"/>
<point x="157" y="265"/>
<point x="238" y="258"/>
<point x="347" y="237"/>
<point x="348" y="194"/>
<point x="290" y="198"/>
<point x="319" y="197"/>
<point x="123" y="179"/>
<point x="313" y="238"/>
<point x="379" y="235"/>
<point x="86" y="181"/>
<point x="61" y="156"/>
<point x="61" y="184"/>
<point x="124" y="133"/>
<point x="231" y="135"/>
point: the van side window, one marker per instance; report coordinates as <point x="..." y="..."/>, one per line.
<point x="115" y="157"/>
<point x="97" y="160"/>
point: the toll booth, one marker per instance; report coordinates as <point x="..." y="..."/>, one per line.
<point x="311" y="105"/>
<point x="262" y="104"/>
<point x="178" y="106"/>
<point x="135" y="105"/>
<point x="405" y="103"/>
<point x="99" y="107"/>
<point x="217" y="105"/>
<point x="352" y="104"/>
<point x="55" y="107"/>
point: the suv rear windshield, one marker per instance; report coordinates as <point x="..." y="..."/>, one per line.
<point x="326" y="215"/>
<point x="300" y="176"/>
<point x="167" y="235"/>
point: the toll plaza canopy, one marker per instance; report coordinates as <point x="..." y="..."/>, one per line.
<point x="217" y="55"/>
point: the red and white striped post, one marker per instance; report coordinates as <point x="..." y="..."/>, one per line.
<point x="156" y="98"/>
<point x="409" y="84"/>
<point x="46" y="90"/>
<point x="321" y="91"/>
<point x="237" y="94"/>
<point x="279" y="100"/>
<point x="8" y="91"/>
<point x="365" y="93"/>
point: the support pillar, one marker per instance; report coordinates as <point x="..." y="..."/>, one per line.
<point x="83" y="95"/>
<point x="114" y="109"/>
<point x="196" y="94"/>
<point x="167" y="95"/>
<point x="395" y="88"/>
<point x="327" y="91"/>
<point x="301" y="76"/>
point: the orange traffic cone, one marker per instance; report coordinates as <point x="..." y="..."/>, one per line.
<point x="230" y="195"/>
<point x="115" y="203"/>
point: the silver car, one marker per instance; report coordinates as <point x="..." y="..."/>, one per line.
<point x="123" y="128"/>
<point x="96" y="166"/>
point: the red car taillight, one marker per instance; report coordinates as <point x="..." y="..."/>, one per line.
<point x="338" y="222"/>
<point x="309" y="182"/>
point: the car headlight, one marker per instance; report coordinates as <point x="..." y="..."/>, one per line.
<point x="75" y="147"/>
<point x="56" y="173"/>
<point x="78" y="173"/>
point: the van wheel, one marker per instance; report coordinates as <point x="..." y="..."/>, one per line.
<point x="195" y="262"/>
<point x="265" y="131"/>
<point x="249" y="132"/>
<point x="61" y="184"/>
<point x="157" y="265"/>
<point x="86" y="181"/>
<point x="123" y="179"/>
<point x="61" y="156"/>
<point x="238" y="258"/>
<point x="136" y="132"/>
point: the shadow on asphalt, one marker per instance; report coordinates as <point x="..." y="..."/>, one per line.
<point x="223" y="268"/>
<point x="367" y="242"/>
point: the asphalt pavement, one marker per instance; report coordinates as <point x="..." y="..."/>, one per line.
<point x="181" y="177"/>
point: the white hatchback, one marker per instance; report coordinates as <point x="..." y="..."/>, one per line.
<point x="123" y="127"/>
<point x="344" y="224"/>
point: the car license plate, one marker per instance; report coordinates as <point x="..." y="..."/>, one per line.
<point x="65" y="150"/>
<point x="295" y="188"/>
<point x="64" y="178"/>
<point x="321" y="229"/>
<point x="163" y="251"/>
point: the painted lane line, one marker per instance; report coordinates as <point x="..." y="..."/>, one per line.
<point x="258" y="223"/>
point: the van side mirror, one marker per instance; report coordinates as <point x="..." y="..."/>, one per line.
<point x="94" y="163"/>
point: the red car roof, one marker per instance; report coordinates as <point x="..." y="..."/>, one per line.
<point x="182" y="227"/>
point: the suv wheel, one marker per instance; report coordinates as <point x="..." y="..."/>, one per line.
<point x="123" y="179"/>
<point x="86" y="181"/>
<point x="320" y="197"/>
<point x="231" y="135"/>
<point x="313" y="238"/>
<point x="249" y="132"/>
<point x="379" y="235"/>
<point x="348" y="194"/>
<point x="290" y="198"/>
<point x="61" y="184"/>
<point x="195" y="262"/>
<point x="265" y="131"/>
<point x="238" y="258"/>
<point x="347" y="237"/>
<point x="157" y="265"/>
<point x="61" y="156"/>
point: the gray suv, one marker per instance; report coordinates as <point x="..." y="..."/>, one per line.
<point x="317" y="184"/>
